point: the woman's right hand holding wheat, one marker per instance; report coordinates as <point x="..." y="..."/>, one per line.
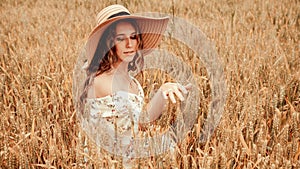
<point x="166" y="91"/>
<point x="170" y="90"/>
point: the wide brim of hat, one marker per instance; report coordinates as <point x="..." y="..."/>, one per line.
<point x="152" y="30"/>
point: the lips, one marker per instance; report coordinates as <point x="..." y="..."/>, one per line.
<point x="129" y="53"/>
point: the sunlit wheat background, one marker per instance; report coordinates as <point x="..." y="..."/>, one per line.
<point x="258" y="43"/>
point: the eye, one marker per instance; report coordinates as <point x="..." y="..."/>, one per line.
<point x="120" y="38"/>
<point x="134" y="36"/>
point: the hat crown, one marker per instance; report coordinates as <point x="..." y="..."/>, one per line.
<point x="107" y="12"/>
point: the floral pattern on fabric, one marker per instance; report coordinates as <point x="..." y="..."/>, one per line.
<point x="113" y="121"/>
<point x="115" y="115"/>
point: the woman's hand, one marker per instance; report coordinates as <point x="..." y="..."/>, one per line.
<point x="169" y="90"/>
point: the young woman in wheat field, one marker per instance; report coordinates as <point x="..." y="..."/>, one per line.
<point x="112" y="99"/>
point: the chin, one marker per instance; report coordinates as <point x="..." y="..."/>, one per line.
<point x="128" y="58"/>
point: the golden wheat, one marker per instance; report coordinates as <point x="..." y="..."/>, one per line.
<point x="258" y="45"/>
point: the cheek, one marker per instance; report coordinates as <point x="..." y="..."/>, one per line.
<point x="118" y="49"/>
<point x="135" y="44"/>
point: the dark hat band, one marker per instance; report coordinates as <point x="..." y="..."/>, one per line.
<point x="118" y="14"/>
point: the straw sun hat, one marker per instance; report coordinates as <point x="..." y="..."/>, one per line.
<point x="151" y="29"/>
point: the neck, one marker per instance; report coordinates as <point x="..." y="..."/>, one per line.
<point x="121" y="67"/>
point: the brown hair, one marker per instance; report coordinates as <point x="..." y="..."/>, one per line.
<point x="105" y="56"/>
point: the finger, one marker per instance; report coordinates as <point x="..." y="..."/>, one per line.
<point x="172" y="97"/>
<point x="188" y="86"/>
<point x="178" y="94"/>
<point x="182" y="88"/>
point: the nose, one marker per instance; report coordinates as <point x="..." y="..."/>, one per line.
<point x="129" y="43"/>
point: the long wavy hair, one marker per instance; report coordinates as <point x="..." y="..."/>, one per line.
<point x="105" y="56"/>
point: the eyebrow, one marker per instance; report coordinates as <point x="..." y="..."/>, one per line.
<point x="122" y="34"/>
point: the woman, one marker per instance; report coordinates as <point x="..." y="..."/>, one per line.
<point x="112" y="98"/>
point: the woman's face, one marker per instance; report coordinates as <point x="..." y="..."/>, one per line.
<point x="125" y="41"/>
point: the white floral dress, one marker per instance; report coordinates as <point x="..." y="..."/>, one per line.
<point x="113" y="120"/>
<point x="113" y="123"/>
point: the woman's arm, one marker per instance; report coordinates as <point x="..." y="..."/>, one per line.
<point x="167" y="91"/>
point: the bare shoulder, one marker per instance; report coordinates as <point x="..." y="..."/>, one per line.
<point x="103" y="85"/>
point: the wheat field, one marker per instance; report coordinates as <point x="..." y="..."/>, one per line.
<point x="258" y="43"/>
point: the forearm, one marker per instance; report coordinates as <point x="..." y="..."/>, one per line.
<point x="156" y="106"/>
